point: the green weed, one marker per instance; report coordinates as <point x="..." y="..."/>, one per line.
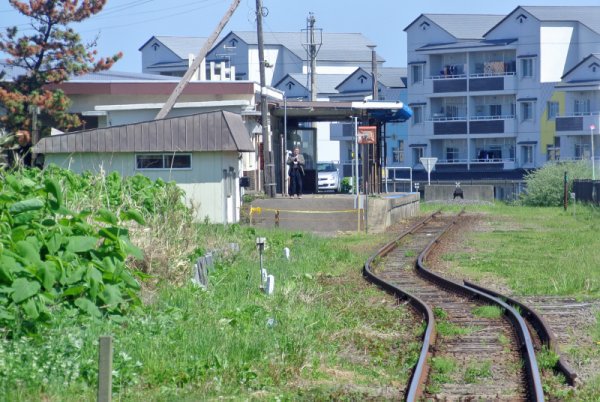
<point x="488" y="311"/>
<point x="477" y="372"/>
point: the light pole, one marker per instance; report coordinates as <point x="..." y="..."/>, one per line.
<point x="592" y="127"/>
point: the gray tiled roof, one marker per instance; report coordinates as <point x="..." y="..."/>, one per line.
<point x="326" y="83"/>
<point x="213" y="131"/>
<point x="336" y="46"/>
<point x="465" y="26"/>
<point x="588" y="16"/>
<point x="182" y="46"/>
<point x="392" y="77"/>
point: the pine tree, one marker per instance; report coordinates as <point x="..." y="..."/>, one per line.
<point x="48" y="56"/>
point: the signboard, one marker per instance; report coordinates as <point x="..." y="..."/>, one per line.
<point x="367" y="134"/>
<point x="428" y="164"/>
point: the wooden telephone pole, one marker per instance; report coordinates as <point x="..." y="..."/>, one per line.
<point x="267" y="154"/>
<point x="194" y="66"/>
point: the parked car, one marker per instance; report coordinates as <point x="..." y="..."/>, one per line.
<point x="328" y="177"/>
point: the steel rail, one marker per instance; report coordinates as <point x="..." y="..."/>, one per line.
<point x="541" y="328"/>
<point x="534" y="381"/>
<point x="421" y="371"/>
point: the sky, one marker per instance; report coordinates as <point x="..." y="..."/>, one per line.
<point x="125" y="25"/>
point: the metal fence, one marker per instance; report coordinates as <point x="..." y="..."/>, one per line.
<point x="587" y="191"/>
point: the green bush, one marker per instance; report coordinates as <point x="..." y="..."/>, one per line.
<point x="346" y="187"/>
<point x="545" y="186"/>
<point x="52" y="256"/>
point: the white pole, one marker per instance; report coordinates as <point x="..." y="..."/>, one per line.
<point x="356" y="155"/>
<point x="593" y="161"/>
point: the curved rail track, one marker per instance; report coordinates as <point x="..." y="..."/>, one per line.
<point x="493" y="358"/>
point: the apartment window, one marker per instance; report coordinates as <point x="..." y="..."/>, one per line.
<point x="416" y="73"/>
<point x="418" y="153"/>
<point x="495" y="110"/>
<point x="452" y="154"/>
<point x="398" y="152"/>
<point x="582" y="107"/>
<point x="526" y="111"/>
<point x="417" y="117"/>
<point x="163" y="161"/>
<point x="552" y="110"/>
<point x="527" y="155"/>
<point x="527" y="67"/>
<point x="582" y="151"/>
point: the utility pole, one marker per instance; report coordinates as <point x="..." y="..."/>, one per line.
<point x="312" y="52"/>
<point x="269" y="167"/>
<point x="194" y="66"/>
<point x="314" y="40"/>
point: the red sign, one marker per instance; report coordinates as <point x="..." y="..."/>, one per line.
<point x="367" y="134"/>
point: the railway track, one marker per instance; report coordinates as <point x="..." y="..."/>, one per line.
<point x="482" y="348"/>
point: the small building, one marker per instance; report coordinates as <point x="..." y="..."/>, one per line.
<point x="200" y="152"/>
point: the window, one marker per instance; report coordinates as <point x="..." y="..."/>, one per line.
<point x="496" y="110"/>
<point x="398" y="152"/>
<point x="582" y="107"/>
<point x="527" y="68"/>
<point x="163" y="161"/>
<point x="452" y="154"/>
<point x="418" y="153"/>
<point x="417" y="117"/>
<point x="416" y="73"/>
<point x="552" y="110"/>
<point x="582" y="151"/>
<point x="526" y="111"/>
<point x="527" y="154"/>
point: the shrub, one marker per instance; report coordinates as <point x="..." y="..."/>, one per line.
<point x="545" y="185"/>
<point x="53" y="256"/>
<point x="346" y="187"/>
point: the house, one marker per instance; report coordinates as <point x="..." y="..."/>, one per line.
<point x="493" y="95"/>
<point x="200" y="152"/>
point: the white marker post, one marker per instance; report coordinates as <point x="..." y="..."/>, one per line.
<point x="428" y="164"/>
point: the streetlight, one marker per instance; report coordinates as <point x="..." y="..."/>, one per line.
<point x="592" y="127"/>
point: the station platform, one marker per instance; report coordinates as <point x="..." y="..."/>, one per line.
<point x="333" y="213"/>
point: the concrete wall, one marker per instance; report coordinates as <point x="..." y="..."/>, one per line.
<point x="385" y="211"/>
<point x="440" y="192"/>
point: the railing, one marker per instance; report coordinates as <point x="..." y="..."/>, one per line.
<point x="447" y="76"/>
<point x="483" y="75"/>
<point x="465" y="161"/>
<point x="463" y="118"/>
<point x="448" y="118"/>
<point x="495" y="117"/>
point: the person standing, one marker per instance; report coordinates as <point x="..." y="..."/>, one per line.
<point x="296" y="172"/>
<point x="20" y="154"/>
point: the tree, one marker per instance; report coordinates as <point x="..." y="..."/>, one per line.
<point x="47" y="56"/>
<point x="544" y="187"/>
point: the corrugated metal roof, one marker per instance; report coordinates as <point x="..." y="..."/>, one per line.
<point x="336" y="46"/>
<point x="120" y="76"/>
<point x="213" y="131"/>
<point x="465" y="26"/>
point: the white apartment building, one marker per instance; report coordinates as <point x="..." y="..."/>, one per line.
<point x="502" y="93"/>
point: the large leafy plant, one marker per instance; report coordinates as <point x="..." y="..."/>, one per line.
<point x="51" y="257"/>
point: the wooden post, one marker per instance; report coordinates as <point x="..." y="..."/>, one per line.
<point x="105" y="369"/>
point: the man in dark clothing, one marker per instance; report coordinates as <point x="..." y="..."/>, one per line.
<point x="296" y="172"/>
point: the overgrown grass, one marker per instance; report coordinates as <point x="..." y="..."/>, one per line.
<point x="442" y="369"/>
<point x="536" y="251"/>
<point x="324" y="334"/>
<point x="476" y="372"/>
<point x="488" y="311"/>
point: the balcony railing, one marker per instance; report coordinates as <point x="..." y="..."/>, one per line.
<point x="462" y="118"/>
